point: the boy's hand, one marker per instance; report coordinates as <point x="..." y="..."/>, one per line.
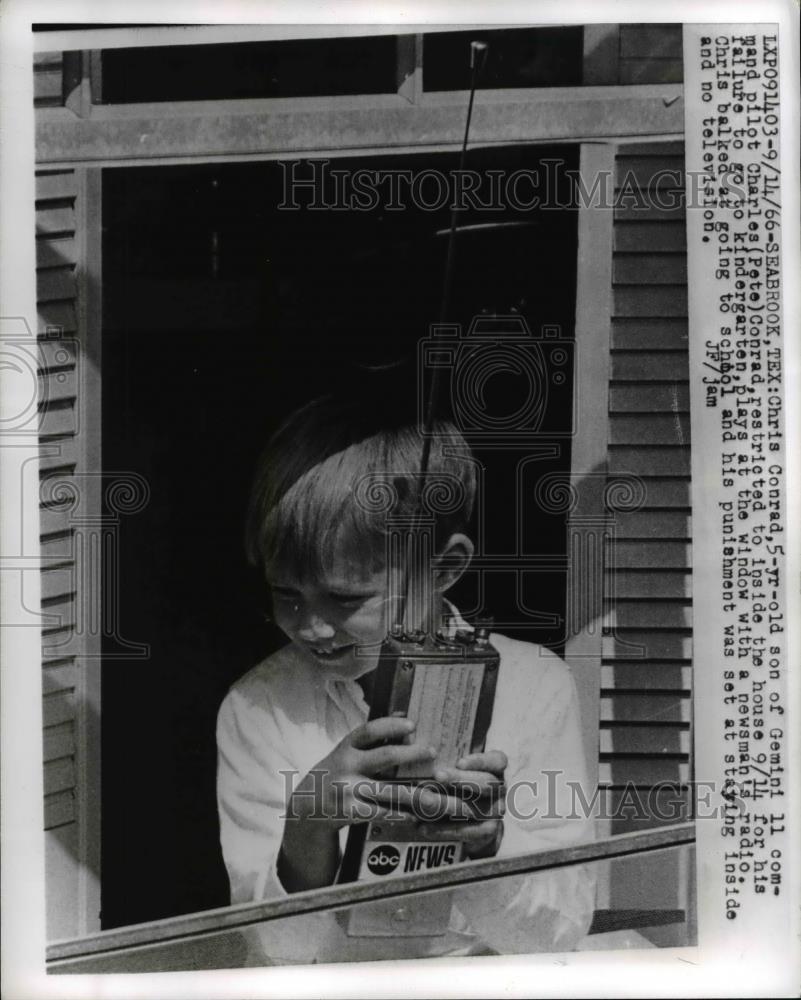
<point x="340" y="790"/>
<point x="343" y="788"/>
<point x="474" y="802"/>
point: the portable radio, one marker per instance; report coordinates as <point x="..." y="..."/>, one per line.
<point x="446" y="684"/>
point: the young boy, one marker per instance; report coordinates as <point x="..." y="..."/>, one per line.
<point x="298" y="761"/>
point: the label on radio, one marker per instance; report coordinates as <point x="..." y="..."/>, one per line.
<point x="443" y="702"/>
<point x="381" y="859"/>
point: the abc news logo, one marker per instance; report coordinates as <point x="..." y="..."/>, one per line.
<point x="385" y="858"/>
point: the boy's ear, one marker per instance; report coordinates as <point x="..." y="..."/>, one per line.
<point x="451" y="562"/>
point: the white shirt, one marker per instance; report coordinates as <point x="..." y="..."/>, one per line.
<point x="287" y="714"/>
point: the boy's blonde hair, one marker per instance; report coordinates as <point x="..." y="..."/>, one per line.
<point x="323" y="481"/>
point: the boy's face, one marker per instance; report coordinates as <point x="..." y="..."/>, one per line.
<point x="340" y="619"/>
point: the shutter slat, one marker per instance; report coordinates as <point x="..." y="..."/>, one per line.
<point x="648" y="707"/>
<point x="55" y="184"/>
<point x="650" y="555"/>
<point x="635" y="677"/>
<point x="57" y="546"/>
<point x="642" y="237"/>
<point x="646" y="771"/>
<point x="649" y="429"/>
<point x="47" y="85"/>
<point x="58" y="454"/>
<point x="651" y="70"/>
<point x="51" y="220"/>
<point x="648" y="40"/>
<point x="59" y="775"/>
<point x="55" y="519"/>
<point x="649" y="398"/>
<point x="648" y="645"/>
<point x="59" y="809"/>
<point x="639" y="208"/>
<point x="57" y="252"/>
<point x="56" y="679"/>
<point x="47" y="58"/>
<point x="59" y="741"/>
<point x="649" y="584"/>
<point x="58" y="582"/>
<point x="643" y="461"/>
<point x="650" y="614"/>
<point x="55" y="386"/>
<point x="658" y="147"/>
<point x="58" y="633"/>
<point x="652" y="525"/>
<point x="57" y="314"/>
<point x="52" y="662"/>
<point x="57" y="420"/>
<point x="55" y="283"/>
<point x="661" y="493"/>
<point x="649" y="269"/>
<point x="58" y="612"/>
<point x="56" y="354"/>
<point x="58" y="707"/>
<point x="650" y="334"/>
<point x="661" y="807"/>
<point x="649" y="173"/>
<point x="650" y="300"/>
<point x="644" y="366"/>
<point x="667" y="739"/>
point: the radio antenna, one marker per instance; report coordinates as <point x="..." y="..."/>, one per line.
<point x="420" y="625"/>
<point x="478" y="55"/>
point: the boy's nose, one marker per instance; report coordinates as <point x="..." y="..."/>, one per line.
<point x="313" y="628"/>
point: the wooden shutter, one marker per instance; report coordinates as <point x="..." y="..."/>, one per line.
<point x="645" y="735"/>
<point x="70" y="750"/>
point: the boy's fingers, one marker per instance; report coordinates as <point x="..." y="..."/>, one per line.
<point x="471" y="784"/>
<point x="377" y="730"/>
<point x="380" y="758"/>
<point x="429" y="803"/>
<point x="469" y="810"/>
<point x="365" y="809"/>
<point x="393" y="795"/>
<point x="426" y="803"/>
<point x="494" y="761"/>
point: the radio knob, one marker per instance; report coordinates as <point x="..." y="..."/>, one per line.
<point x="482" y="635"/>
